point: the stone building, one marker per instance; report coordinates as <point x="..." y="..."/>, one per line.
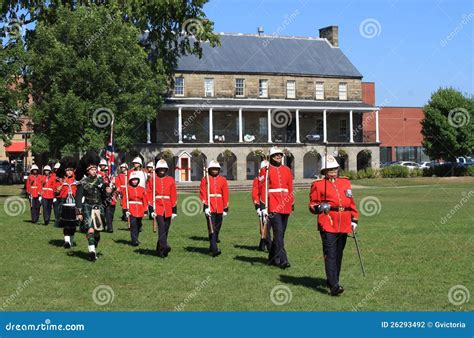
<point x="256" y="91"/>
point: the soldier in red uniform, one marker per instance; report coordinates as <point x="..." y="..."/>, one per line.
<point x="215" y="203"/>
<point x="331" y="199"/>
<point x="276" y="203"/>
<point x="34" y="184"/>
<point x="150" y="167"/>
<point x="121" y="184"/>
<point x="265" y="238"/>
<point x="103" y="171"/>
<point x="137" y="203"/>
<point x="163" y="203"/>
<point x="47" y="194"/>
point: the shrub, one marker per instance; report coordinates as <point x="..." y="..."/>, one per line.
<point x="394" y="171"/>
<point x="371" y="173"/>
<point x="351" y="174"/>
<point x="470" y="170"/>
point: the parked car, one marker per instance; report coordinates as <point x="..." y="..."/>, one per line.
<point x="410" y="165"/>
<point x="425" y="165"/>
<point x="387" y="164"/>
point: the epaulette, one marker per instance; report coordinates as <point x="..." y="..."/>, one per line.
<point x="347" y="178"/>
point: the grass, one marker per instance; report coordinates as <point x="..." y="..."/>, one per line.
<point x="412" y="259"/>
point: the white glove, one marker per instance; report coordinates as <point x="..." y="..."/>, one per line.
<point x="354" y="226"/>
<point x="54" y="200"/>
<point x="153" y="214"/>
<point x="40" y="198"/>
<point x="224" y="214"/>
<point x="173" y="216"/>
<point x="259" y="212"/>
<point x="264" y="212"/>
<point x="127" y="213"/>
<point x="207" y="211"/>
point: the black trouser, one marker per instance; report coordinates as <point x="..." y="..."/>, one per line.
<point x="56" y="208"/>
<point x="216" y="220"/>
<point x="135" y="227"/>
<point x="164" y="224"/>
<point x="47" y="206"/>
<point x="333" y="249"/>
<point x="35" y="209"/>
<point x="278" y="223"/>
<point x="69" y="231"/>
<point x="109" y="217"/>
<point x="150" y="211"/>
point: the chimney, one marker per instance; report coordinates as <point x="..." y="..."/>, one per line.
<point x="331" y="33"/>
<point x="260" y="30"/>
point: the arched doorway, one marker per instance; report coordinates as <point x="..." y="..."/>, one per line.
<point x="253" y="163"/>
<point x="289" y="161"/>
<point x="198" y="163"/>
<point x="228" y="162"/>
<point x="311" y="165"/>
<point x="364" y="159"/>
<point x="343" y="160"/>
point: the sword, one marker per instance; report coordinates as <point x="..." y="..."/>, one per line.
<point x="358" y="251"/>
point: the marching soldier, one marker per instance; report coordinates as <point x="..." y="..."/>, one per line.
<point x="138" y="169"/>
<point x="149" y="173"/>
<point x="111" y="201"/>
<point x="66" y="192"/>
<point x="34" y="184"/>
<point x="55" y="199"/>
<point x="47" y="193"/>
<point x="121" y="184"/>
<point x="331" y="199"/>
<point x="103" y="171"/>
<point x="276" y="204"/>
<point x="265" y="237"/>
<point x="163" y="203"/>
<point x="137" y="203"/>
<point x="93" y="190"/>
<point x="214" y="194"/>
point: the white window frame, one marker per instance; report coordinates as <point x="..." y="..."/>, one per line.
<point x="288" y="89"/>
<point x="261" y="88"/>
<point x="243" y="87"/>
<point x="319" y="90"/>
<point x="175" y="87"/>
<point x="343" y="91"/>
<point x="206" y="82"/>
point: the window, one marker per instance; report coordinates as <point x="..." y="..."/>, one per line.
<point x="208" y="87"/>
<point x="385" y="154"/>
<point x="239" y="87"/>
<point x="343" y="127"/>
<point x="179" y="86"/>
<point x="319" y="90"/>
<point x="290" y="89"/>
<point x="263" y="88"/>
<point x="342" y="91"/>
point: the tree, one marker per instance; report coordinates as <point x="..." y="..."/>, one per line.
<point x="448" y="126"/>
<point x="87" y="69"/>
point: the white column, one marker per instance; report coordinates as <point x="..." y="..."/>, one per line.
<point x="325" y="127"/>
<point x="240" y="126"/>
<point x="180" y="125"/>
<point x="351" y="127"/>
<point x="297" y="126"/>
<point x="211" y="131"/>
<point x="377" y="139"/>
<point x="269" y="125"/>
<point x="148" y="131"/>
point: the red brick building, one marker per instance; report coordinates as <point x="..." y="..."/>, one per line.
<point x="400" y="129"/>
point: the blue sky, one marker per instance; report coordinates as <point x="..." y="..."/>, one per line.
<point x="408" y="48"/>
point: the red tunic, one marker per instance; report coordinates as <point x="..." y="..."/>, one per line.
<point x="137" y="201"/>
<point x="105" y="176"/>
<point x="49" y="183"/>
<point x="34" y="184"/>
<point x="280" y="189"/>
<point x="339" y="195"/>
<point x="121" y="184"/>
<point x="165" y="195"/>
<point x="64" y="184"/>
<point x="219" y="193"/>
<point x="255" y="192"/>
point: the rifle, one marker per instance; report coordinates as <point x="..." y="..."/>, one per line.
<point x="128" y="204"/>
<point x="210" y="227"/>
<point x="155" y="226"/>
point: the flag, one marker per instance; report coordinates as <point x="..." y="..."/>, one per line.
<point x="110" y="154"/>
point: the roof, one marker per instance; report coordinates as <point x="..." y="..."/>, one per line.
<point x="266" y="104"/>
<point x="16" y="147"/>
<point x="270" y="54"/>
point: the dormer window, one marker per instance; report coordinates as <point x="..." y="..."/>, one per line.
<point x="291" y="89"/>
<point x="239" y="87"/>
<point x="179" y="86"/>
<point x="342" y="91"/>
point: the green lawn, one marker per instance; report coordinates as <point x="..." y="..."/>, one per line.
<point x="412" y="259"/>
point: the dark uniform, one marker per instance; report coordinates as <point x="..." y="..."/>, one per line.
<point x="66" y="209"/>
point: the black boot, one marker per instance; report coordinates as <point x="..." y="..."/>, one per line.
<point x="337" y="290"/>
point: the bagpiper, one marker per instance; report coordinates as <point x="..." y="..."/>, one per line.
<point x="34" y="184"/>
<point x="265" y="237"/>
<point x="66" y="195"/>
<point x="276" y="204"/>
<point x="332" y="200"/>
<point x="91" y="197"/>
<point x="47" y="193"/>
<point x="214" y="194"/>
<point x="137" y="204"/>
<point x="162" y="191"/>
<point x="121" y="184"/>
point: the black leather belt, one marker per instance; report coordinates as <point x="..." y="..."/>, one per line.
<point x="340" y="209"/>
